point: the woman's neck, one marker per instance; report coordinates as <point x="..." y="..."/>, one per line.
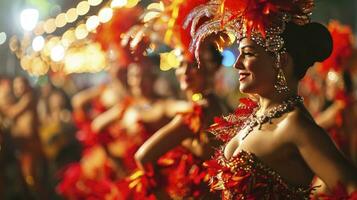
<point x="272" y="99"/>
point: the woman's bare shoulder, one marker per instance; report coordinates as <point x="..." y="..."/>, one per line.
<point x="299" y="127"/>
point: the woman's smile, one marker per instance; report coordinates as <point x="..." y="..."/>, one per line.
<point x="243" y="76"/>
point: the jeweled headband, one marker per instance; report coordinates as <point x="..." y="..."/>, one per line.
<point x="261" y="20"/>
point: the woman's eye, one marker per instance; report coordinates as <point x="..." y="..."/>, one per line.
<point x="247" y="54"/>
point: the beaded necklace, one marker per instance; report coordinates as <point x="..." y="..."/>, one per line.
<point x="276" y="112"/>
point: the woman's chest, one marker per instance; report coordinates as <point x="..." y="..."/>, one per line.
<point x="275" y="151"/>
<point x="268" y="145"/>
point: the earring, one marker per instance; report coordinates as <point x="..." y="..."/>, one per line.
<point x="281" y="84"/>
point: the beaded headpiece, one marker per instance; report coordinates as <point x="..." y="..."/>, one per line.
<point x="261" y="20"/>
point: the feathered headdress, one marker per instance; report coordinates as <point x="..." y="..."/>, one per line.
<point x="342" y="39"/>
<point x="109" y="35"/>
<point x="162" y="23"/>
<point x="261" y="20"/>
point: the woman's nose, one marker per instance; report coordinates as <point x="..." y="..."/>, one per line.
<point x="239" y="62"/>
<point x="180" y="71"/>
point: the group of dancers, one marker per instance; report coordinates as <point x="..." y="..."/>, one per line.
<point x="139" y="145"/>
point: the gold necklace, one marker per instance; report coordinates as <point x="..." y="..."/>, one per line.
<point x="276" y="112"/>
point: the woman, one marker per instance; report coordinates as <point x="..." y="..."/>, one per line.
<point x="277" y="44"/>
<point x="176" y="151"/>
<point x="100" y="171"/>
<point x="25" y="136"/>
<point x="336" y="116"/>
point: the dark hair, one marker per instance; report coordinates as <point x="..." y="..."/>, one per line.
<point x="347" y="80"/>
<point x="210" y="45"/>
<point x="216" y="54"/>
<point x="307" y="44"/>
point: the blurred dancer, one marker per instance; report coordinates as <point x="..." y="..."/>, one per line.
<point x="170" y="161"/>
<point x="112" y="137"/>
<point x="336" y="116"/>
<point x="25" y="136"/>
<point x="42" y="105"/>
<point x="176" y="152"/>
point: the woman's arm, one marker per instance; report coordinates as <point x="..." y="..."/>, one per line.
<point x="83" y="97"/>
<point x="18" y="108"/>
<point x="165" y="139"/>
<point x="322" y="156"/>
<point x="106" y="118"/>
<point x="327" y="118"/>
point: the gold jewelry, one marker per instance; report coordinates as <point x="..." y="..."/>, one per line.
<point x="281" y="85"/>
<point x="276" y="112"/>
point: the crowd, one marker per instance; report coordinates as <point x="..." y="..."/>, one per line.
<point x="36" y="131"/>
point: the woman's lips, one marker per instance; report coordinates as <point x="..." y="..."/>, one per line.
<point x="242" y="76"/>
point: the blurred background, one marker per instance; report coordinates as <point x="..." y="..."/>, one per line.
<point x="51" y="65"/>
<point x="10" y="21"/>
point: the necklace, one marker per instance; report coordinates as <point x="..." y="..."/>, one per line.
<point x="276" y="112"/>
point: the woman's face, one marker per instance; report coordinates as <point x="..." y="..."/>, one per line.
<point x="194" y="78"/>
<point x="19" y="86"/>
<point x="140" y="82"/>
<point x="118" y="73"/>
<point x="189" y="77"/>
<point x="56" y="101"/>
<point x="256" y="68"/>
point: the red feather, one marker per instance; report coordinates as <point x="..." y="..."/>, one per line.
<point x="258" y="15"/>
<point x="184" y="9"/>
<point x="342" y="38"/>
<point x="109" y="34"/>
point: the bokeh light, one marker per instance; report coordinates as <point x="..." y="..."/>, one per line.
<point x="228" y="58"/>
<point x="61" y="20"/>
<point x="2" y="38"/>
<point x="57" y="53"/>
<point x="50" y="26"/>
<point x="94" y="2"/>
<point x="131" y="3"/>
<point x="92" y="23"/>
<point x="29" y="18"/>
<point x="105" y="15"/>
<point x="81" y="32"/>
<point x="83" y="8"/>
<point x="68" y="38"/>
<point x="118" y="3"/>
<point x="71" y="15"/>
<point x="38" y="43"/>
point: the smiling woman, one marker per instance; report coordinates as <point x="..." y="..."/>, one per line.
<point x="274" y="135"/>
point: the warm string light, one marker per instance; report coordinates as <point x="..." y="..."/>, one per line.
<point x="71" y="15"/>
<point x="3" y="38"/>
<point x="72" y="52"/>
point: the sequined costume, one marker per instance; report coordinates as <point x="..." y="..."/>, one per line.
<point x="103" y="154"/>
<point x="178" y="172"/>
<point x="244" y="176"/>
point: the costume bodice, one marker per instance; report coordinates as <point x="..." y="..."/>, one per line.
<point x="245" y="176"/>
